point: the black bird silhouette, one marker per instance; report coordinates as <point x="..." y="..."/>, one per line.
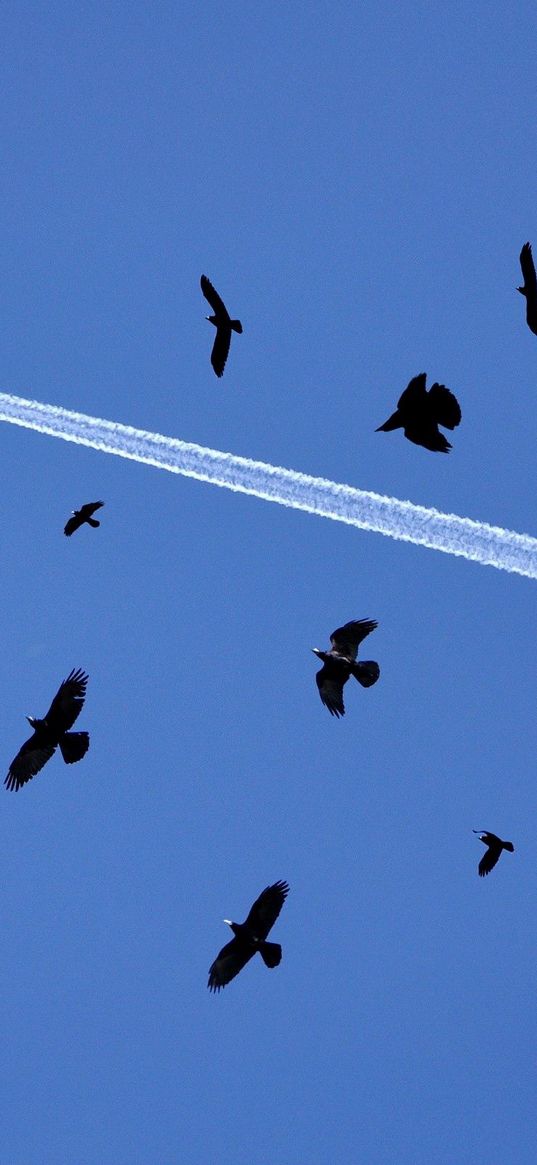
<point x="495" y="846"/>
<point x="340" y="663"/>
<point x="223" y="323"/>
<point x="419" y="413"/>
<point x="52" y="731"/>
<point x="530" y="286"/>
<point x="83" y="515"/>
<point x="250" y="936"/>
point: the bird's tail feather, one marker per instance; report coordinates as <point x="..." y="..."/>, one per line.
<point x="73" y="746"/>
<point x="367" y="672"/>
<point x="271" y="953"/>
<point x="93" y="522"/>
<point x="509" y="846"/>
<point x="236" y="325"/>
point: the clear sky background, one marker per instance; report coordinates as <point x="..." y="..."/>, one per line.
<point x="357" y="182"/>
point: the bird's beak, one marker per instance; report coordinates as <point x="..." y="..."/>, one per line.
<point x="316" y="650"/>
<point x="227" y="921"/>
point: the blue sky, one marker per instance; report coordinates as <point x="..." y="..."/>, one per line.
<point x="357" y="183"/>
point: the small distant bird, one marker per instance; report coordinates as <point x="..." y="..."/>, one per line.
<point x="83" y="515"/>
<point x="250" y="936"/>
<point x="340" y="663"/>
<point x="530" y="286"/>
<point x="52" y="731"/>
<point x="223" y="323"/>
<point x="420" y="412"/>
<point x="495" y="846"/>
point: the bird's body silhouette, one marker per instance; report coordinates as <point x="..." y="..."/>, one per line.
<point x="223" y="323"/>
<point x="529" y="288"/>
<point x="53" y="731"/>
<point x="249" y="937"/>
<point x="83" y="515"/>
<point x="420" y="411"/>
<point x="340" y="663"/>
<point x="495" y="845"/>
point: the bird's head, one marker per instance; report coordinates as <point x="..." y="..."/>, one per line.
<point x="522" y="291"/>
<point x="320" y="654"/>
<point x="211" y="319"/>
<point x="33" y="721"/>
<point x="232" y="925"/>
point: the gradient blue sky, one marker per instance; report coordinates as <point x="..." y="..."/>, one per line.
<point x="357" y="181"/>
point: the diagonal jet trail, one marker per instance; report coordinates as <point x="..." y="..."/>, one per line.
<point x="477" y="541"/>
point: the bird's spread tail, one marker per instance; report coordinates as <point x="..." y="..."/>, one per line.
<point x="509" y="846"/>
<point x="236" y="325"/>
<point x="93" y="522"/>
<point x="271" y="953"/>
<point x="73" y="746"/>
<point x="367" y="672"/>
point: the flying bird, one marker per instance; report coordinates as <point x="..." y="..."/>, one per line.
<point x="340" y="663"/>
<point x="83" y="515"/>
<point x="420" y="411"/>
<point x="530" y="286"/>
<point x="495" y="846"/>
<point x="223" y="323"/>
<point x="250" y="936"/>
<point x="52" y="731"/>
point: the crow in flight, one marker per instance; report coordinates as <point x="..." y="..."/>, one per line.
<point x="495" y="846"/>
<point x="223" y="323"/>
<point x="83" y="515"/>
<point x="419" y="413"/>
<point x="530" y="286"/>
<point x="52" y="731"/>
<point x="340" y="663"/>
<point x="250" y="936"/>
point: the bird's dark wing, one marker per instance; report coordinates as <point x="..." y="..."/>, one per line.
<point x="414" y="393"/>
<point x="490" y="857"/>
<point x="89" y="509"/>
<point x="220" y="350"/>
<point x="67" y="703"/>
<point x="213" y="297"/>
<point x="232" y="958"/>
<point x="331" y="691"/>
<point x="73" y="524"/>
<point x="528" y="267"/>
<point x="447" y="410"/>
<point x="346" y="640"/>
<point x="28" y="761"/>
<point x="427" y="434"/>
<point x="266" y="909"/>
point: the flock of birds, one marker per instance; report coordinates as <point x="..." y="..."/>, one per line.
<point x="419" y="413"/>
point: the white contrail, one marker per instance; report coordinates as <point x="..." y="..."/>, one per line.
<point x="490" y="545"/>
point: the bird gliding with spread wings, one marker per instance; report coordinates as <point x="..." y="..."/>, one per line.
<point x="250" y="936"/>
<point x="495" y="845"/>
<point x="340" y="663"/>
<point x="83" y="515"/>
<point x="223" y="323"/>
<point x="529" y="287"/>
<point x="52" y="732"/>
